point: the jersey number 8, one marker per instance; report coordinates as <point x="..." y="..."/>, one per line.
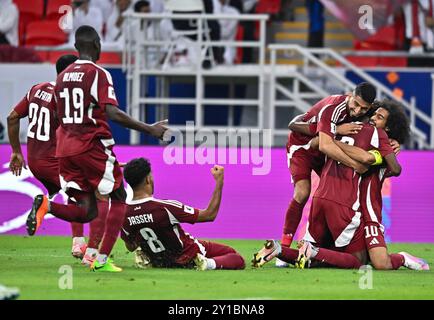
<point x="151" y="238"/>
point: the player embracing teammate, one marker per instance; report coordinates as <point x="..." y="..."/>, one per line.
<point x="345" y="218"/>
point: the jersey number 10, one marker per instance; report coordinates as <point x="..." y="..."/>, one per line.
<point x="78" y="104"/>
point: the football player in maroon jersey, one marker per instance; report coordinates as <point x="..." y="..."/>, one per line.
<point x="326" y="119"/>
<point x="154" y="225"/>
<point x="390" y="117"/>
<point x="85" y="101"/>
<point x="39" y="106"/>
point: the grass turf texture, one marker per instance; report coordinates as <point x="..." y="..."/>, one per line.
<point x="32" y="264"/>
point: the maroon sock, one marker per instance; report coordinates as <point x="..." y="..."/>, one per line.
<point x="338" y="259"/>
<point x="113" y="224"/>
<point x="97" y="225"/>
<point x="293" y="217"/>
<point x="288" y="255"/>
<point x="77" y="229"/>
<point x="230" y="261"/>
<point x="68" y="212"/>
<point x="397" y="260"/>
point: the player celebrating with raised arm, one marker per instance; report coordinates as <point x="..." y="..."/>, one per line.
<point x="324" y="118"/>
<point x="154" y="225"/>
<point x="85" y="101"/>
<point x="39" y="106"/>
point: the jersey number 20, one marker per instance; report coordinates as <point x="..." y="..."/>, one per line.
<point x="42" y="120"/>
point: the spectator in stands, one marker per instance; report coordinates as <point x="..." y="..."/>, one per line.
<point x="429" y="22"/>
<point x="115" y="24"/>
<point x="415" y="27"/>
<point x="214" y="6"/>
<point x="84" y="14"/>
<point x="228" y="31"/>
<point x="249" y="7"/>
<point x="106" y="7"/>
<point x="8" y="23"/>
<point x="237" y="4"/>
<point x="316" y="23"/>
<point x="143" y="7"/>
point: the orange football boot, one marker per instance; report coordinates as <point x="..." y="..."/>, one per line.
<point x="37" y="214"/>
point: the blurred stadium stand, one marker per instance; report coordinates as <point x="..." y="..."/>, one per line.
<point x="279" y="83"/>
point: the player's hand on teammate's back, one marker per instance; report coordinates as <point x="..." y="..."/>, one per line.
<point x="348" y="128"/>
<point x="395" y="146"/>
<point x="218" y="172"/>
<point x="17" y="163"/>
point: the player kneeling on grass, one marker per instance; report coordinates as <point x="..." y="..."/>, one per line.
<point x="153" y="226"/>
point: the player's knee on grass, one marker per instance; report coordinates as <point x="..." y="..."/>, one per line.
<point x="302" y="191"/>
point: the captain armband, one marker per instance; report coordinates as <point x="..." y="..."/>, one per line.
<point x="378" y="157"/>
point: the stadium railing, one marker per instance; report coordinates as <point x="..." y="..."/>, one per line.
<point x="139" y="63"/>
<point x="317" y="60"/>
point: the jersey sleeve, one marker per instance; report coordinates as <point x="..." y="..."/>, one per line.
<point x="22" y="108"/>
<point x="181" y="212"/>
<point x="384" y="146"/>
<point x="106" y="91"/>
<point x="327" y="119"/>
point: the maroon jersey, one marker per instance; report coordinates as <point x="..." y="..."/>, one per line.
<point x="155" y="225"/>
<point x="38" y="105"/>
<point x="340" y="183"/>
<point x="82" y="92"/>
<point x="323" y="117"/>
<point x="371" y="200"/>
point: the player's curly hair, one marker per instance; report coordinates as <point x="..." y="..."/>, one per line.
<point x="397" y="122"/>
<point x="136" y="171"/>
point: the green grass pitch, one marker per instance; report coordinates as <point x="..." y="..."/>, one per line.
<point x="32" y="265"/>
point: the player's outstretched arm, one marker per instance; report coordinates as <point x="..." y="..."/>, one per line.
<point x="330" y="148"/>
<point x="210" y="213"/>
<point x="17" y="160"/>
<point x="356" y="153"/>
<point x="156" y="130"/>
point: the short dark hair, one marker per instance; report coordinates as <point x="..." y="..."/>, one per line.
<point x="86" y="33"/>
<point x="136" y="171"/>
<point x="366" y="91"/>
<point x="65" y="61"/>
<point x="397" y="121"/>
<point x="139" y="4"/>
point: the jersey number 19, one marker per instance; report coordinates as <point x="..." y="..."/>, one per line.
<point x="78" y="104"/>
